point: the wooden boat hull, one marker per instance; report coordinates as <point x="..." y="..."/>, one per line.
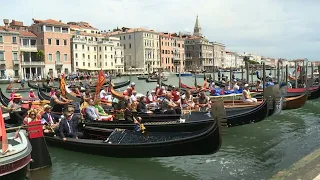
<point x="137" y="145"/>
<point x="295" y="102"/>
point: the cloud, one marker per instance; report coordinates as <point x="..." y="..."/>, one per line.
<point x="287" y="29"/>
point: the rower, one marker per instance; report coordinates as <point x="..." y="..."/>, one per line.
<point x="58" y="102"/>
<point x="168" y="106"/>
<point x="52" y="92"/>
<point x="13" y="92"/>
<point x="15" y="110"/>
<point x="203" y="102"/>
<point x="246" y="95"/>
<point x="32" y="94"/>
<point x="68" y="126"/>
<point x="103" y="92"/>
<point x="133" y="85"/>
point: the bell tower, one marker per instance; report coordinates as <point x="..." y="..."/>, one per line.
<point x="197" y="28"/>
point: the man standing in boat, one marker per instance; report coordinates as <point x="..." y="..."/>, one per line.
<point x="68" y="126"/>
<point x="246" y="95"/>
<point x="15" y="110"/>
<point x="57" y="99"/>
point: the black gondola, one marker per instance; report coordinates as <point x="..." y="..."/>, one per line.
<point x="125" y="143"/>
<point x="3" y="99"/>
<point x="33" y="86"/>
<point x="43" y="96"/>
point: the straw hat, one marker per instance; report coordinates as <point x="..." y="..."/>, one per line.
<point x="47" y="107"/>
<point x="17" y="96"/>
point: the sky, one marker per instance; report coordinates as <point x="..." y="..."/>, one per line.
<point x="272" y="28"/>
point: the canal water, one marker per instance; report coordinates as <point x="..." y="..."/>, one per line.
<point x="254" y="151"/>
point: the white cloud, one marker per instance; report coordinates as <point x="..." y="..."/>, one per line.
<point x="286" y="28"/>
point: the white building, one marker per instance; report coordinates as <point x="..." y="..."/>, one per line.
<point x="141" y="49"/>
<point x="93" y="51"/>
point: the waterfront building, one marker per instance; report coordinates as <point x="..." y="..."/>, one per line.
<point x="230" y="60"/>
<point x="92" y="50"/>
<point x="141" y="49"/>
<point x="53" y="38"/>
<point x="200" y="53"/>
<point x="172" y="52"/>
<point x="9" y="51"/>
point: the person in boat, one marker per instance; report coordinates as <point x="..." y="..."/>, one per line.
<point x="77" y="91"/>
<point x="98" y="107"/>
<point x="189" y="99"/>
<point x="48" y="121"/>
<point x="86" y="95"/>
<point x="31" y="94"/>
<point x="52" y="92"/>
<point x="128" y="115"/>
<point x="152" y="99"/>
<point x="235" y="86"/>
<point x="128" y="92"/>
<point x="175" y="95"/>
<point x="13" y="92"/>
<point x="32" y="116"/>
<point x="259" y="86"/>
<point x="22" y="83"/>
<point x="58" y="99"/>
<point x="142" y="107"/>
<point x="103" y="92"/>
<point x="246" y="95"/>
<point x="270" y="83"/>
<point x="68" y="126"/>
<point x="161" y="93"/>
<point x="93" y="114"/>
<point x="212" y="88"/>
<point x="203" y="102"/>
<point x="157" y="88"/>
<point x="184" y="103"/>
<point x="289" y="85"/>
<point x="133" y="97"/>
<point x="167" y="105"/>
<point x="15" y="110"/>
<point x="133" y="86"/>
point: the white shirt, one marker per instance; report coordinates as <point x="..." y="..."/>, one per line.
<point x="108" y="97"/>
<point x="150" y="98"/>
<point x="236" y="87"/>
<point x="133" y="98"/>
<point x="103" y="93"/>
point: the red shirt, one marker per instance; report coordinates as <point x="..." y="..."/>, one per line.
<point x="175" y="95"/>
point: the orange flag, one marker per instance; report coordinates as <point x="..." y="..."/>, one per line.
<point x="3" y="134"/>
<point x="101" y="81"/>
<point x="63" y="85"/>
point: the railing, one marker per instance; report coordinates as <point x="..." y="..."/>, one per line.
<point x="32" y="63"/>
<point x="188" y="58"/>
<point x="78" y="40"/>
<point x="59" y="63"/>
<point x="2" y="62"/>
<point x="28" y="46"/>
<point x="16" y="62"/>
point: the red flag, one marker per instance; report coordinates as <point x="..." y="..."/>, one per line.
<point x="101" y="81"/>
<point x="3" y="134"/>
<point x="63" y="85"/>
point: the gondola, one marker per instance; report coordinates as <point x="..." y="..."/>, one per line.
<point x="35" y="86"/>
<point x="295" y="102"/>
<point x="14" y="164"/>
<point x="3" y="99"/>
<point x="131" y="144"/>
<point x="43" y="96"/>
<point x="156" y="80"/>
<point x="18" y="90"/>
<point x="183" y="90"/>
<point x="142" y="77"/>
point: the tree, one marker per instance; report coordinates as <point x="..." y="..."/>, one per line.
<point x="40" y="55"/>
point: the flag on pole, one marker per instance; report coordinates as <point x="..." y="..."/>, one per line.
<point x="101" y="81"/>
<point x="63" y="85"/>
<point x="3" y="134"/>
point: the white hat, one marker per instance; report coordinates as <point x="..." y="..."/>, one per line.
<point x="174" y="86"/>
<point x="153" y="91"/>
<point x="183" y="96"/>
<point x="132" y="84"/>
<point x="246" y="85"/>
<point x="162" y="87"/>
<point x="212" y="83"/>
<point x="157" y="85"/>
<point x="128" y="87"/>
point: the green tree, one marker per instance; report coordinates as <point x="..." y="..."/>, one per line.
<point x="40" y="55"/>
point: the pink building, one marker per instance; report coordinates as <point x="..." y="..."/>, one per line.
<point x="53" y="37"/>
<point x="9" y="51"/>
<point x="172" y="52"/>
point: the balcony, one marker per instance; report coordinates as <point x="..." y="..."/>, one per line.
<point x="2" y="62"/>
<point x="118" y="56"/>
<point x="28" y="48"/>
<point x="78" y="40"/>
<point x="188" y="58"/>
<point x="32" y="63"/>
<point x="59" y="63"/>
<point x="16" y="62"/>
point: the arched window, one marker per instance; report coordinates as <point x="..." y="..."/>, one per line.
<point x="58" y="56"/>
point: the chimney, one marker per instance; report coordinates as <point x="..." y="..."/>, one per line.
<point x="6" y="22"/>
<point x="60" y="21"/>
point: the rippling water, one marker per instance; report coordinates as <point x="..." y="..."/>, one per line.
<point x="254" y="151"/>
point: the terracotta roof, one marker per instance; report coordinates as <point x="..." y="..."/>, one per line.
<point x="2" y="28"/>
<point x="49" y="21"/>
<point x="16" y="23"/>
<point x="27" y="34"/>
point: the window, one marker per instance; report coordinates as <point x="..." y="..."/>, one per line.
<point x="1" y="56"/>
<point x="88" y="64"/>
<point x="50" y="57"/>
<point x="100" y="64"/>
<point x="76" y="63"/>
<point x="14" y="40"/>
<point x="111" y="48"/>
<point x="88" y="56"/>
<point x="82" y="46"/>
<point x="65" y="30"/>
<point x="57" y="29"/>
<point x="129" y="36"/>
<point x="58" y="56"/>
<point x="95" y="56"/>
<point x="88" y="48"/>
<point x="57" y="42"/>
<point x="49" y="41"/>
<point x="105" y="56"/>
<point x="111" y="63"/>
<point x="111" y="56"/>
<point x="65" y="42"/>
<point x="99" y="48"/>
<point x="94" y="49"/>
<point x="76" y="46"/>
<point x="41" y="41"/>
<point x="120" y="37"/>
<point x="105" y="48"/>
<point x="84" y="64"/>
<point x="16" y="73"/>
<point x="76" y="55"/>
<point x="115" y="61"/>
<point x="124" y="46"/>
<point x="106" y="64"/>
<point x="1" y="39"/>
<point x="15" y="56"/>
<point x="65" y="57"/>
<point x="100" y="56"/>
<point x="49" y="28"/>
<point x="124" y="37"/>
<point x="95" y="64"/>
<point x="83" y="56"/>
<point x="129" y="45"/>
